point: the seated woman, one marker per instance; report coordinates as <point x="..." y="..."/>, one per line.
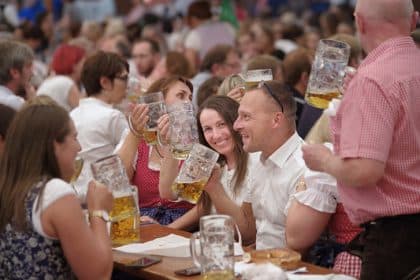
<point x="215" y="120"/>
<point x="43" y="231"/>
<point x="143" y="162"/>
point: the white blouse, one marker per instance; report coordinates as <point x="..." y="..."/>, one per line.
<point x="54" y="190"/>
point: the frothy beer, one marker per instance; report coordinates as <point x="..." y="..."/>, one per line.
<point x="190" y="192"/>
<point x="125" y="220"/>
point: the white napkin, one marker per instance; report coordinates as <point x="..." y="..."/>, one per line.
<point x="319" y="277"/>
<point x="247" y="268"/>
<point x="171" y="245"/>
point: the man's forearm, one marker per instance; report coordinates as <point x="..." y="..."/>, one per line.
<point x="354" y="172"/>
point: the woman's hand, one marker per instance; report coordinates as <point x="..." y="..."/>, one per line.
<point x="237" y="93"/>
<point x="214" y="180"/>
<point x="138" y="119"/>
<point x="163" y="129"/>
<point x="98" y="197"/>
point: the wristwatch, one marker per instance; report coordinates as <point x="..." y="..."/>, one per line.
<point x="100" y="214"/>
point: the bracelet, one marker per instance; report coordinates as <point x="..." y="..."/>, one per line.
<point x="134" y="131"/>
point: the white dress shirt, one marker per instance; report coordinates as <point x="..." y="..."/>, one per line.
<point x="8" y="98"/>
<point x="100" y="128"/>
<point x="272" y="186"/>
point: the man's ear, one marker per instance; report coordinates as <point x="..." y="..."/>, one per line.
<point x="278" y="119"/>
<point x="360" y="23"/>
<point x="15" y="73"/>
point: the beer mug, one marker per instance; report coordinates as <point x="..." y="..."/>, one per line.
<point x="133" y="89"/>
<point x="182" y="129"/>
<point x="157" y="108"/>
<point x="327" y="72"/>
<point x="125" y="214"/>
<point x="216" y="239"/>
<point x="254" y="77"/>
<point x="194" y="173"/>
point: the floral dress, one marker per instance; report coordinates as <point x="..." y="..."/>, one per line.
<point x="28" y="255"/>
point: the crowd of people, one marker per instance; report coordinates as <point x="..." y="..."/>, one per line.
<point x="340" y="186"/>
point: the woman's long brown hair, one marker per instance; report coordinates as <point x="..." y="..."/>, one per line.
<point x="29" y="157"/>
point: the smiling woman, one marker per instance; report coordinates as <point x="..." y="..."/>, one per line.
<point x="215" y="127"/>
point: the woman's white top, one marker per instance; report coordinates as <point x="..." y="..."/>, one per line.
<point x="227" y="181"/>
<point x="54" y="190"/>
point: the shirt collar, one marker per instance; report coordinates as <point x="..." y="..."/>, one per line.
<point x="282" y="154"/>
<point x="395" y="42"/>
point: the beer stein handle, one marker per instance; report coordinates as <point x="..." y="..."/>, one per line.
<point x="193" y="249"/>
<point x="239" y="235"/>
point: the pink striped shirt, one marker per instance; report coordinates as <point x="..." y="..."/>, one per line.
<point x="379" y="118"/>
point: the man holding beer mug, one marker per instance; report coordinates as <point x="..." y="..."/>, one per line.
<point x="266" y="123"/>
<point x="376" y="141"/>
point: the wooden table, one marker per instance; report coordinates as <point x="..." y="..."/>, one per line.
<point x="165" y="269"/>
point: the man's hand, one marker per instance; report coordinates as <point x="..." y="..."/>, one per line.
<point x="316" y="156"/>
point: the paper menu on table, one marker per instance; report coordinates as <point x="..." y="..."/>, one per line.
<point x="171" y="245"/>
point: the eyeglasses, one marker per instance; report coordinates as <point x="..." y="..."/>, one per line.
<point x="266" y="86"/>
<point x="123" y="78"/>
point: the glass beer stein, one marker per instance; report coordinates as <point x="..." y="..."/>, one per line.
<point x="125" y="214"/>
<point x="216" y="239"/>
<point x="157" y="108"/>
<point x="327" y="72"/>
<point x="254" y="77"/>
<point x="183" y="129"/>
<point x="194" y="173"/>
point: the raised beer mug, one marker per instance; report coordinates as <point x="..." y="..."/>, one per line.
<point x="194" y="173"/>
<point x="157" y="108"/>
<point x="254" y="77"/>
<point x="183" y="132"/>
<point x="216" y="239"/>
<point x="327" y="72"/>
<point x="125" y="214"/>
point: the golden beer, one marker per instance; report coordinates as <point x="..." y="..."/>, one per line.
<point x="125" y="221"/>
<point x="190" y="192"/>
<point x="251" y="84"/>
<point x="78" y="166"/>
<point x="150" y="136"/>
<point x="219" y="275"/>
<point x="321" y="99"/>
